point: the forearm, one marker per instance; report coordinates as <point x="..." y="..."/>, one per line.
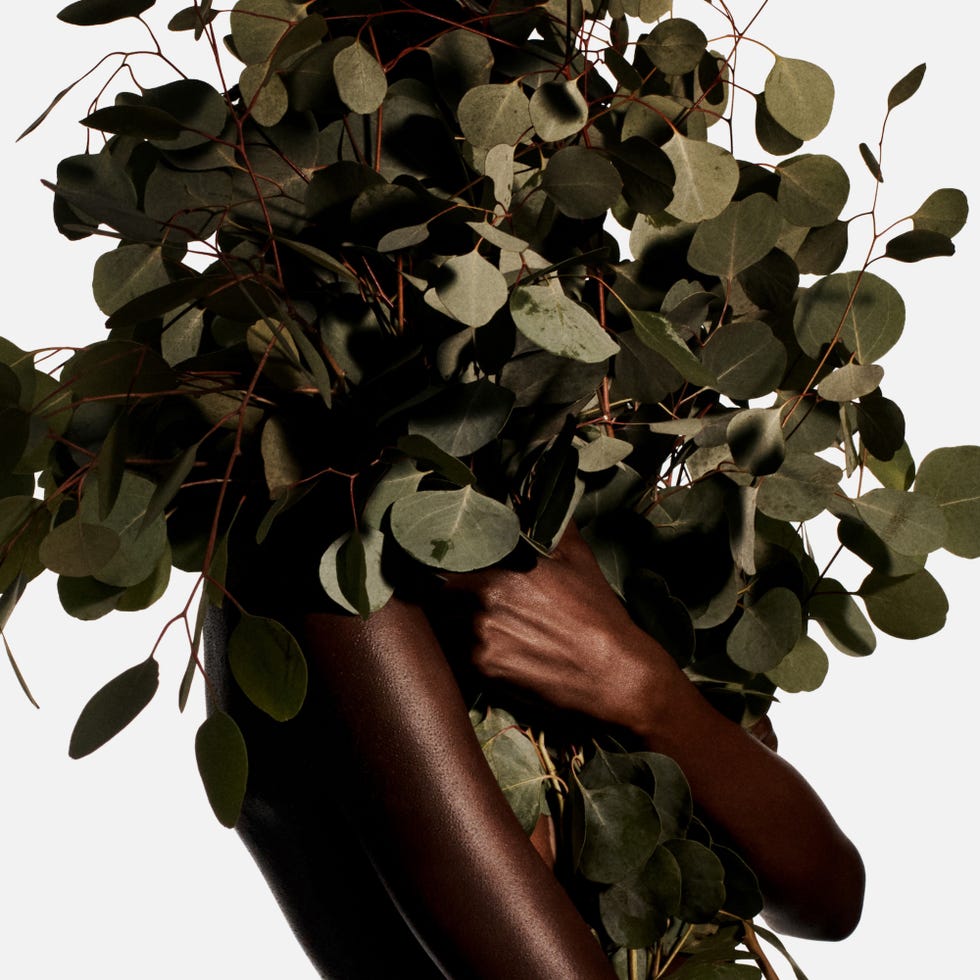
<point x="811" y="875"/>
<point x="441" y="834"/>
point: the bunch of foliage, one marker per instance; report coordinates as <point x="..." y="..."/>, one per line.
<point x="376" y="266"/>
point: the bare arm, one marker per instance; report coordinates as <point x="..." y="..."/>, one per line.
<point x="437" y="827"/>
<point x="559" y="632"/>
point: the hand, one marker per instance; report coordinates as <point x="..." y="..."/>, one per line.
<point x="559" y="632"/>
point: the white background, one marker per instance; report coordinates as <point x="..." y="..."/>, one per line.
<point x="113" y="867"/>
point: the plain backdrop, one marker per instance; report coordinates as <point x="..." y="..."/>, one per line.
<point x="113" y="866"/>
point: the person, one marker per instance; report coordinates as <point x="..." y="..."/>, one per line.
<point x="382" y="832"/>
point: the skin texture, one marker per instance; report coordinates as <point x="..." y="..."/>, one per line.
<point x="375" y="807"/>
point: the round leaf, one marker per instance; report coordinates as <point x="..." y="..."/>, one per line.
<point x="755" y="437"/>
<point x="800" y="489"/>
<point x="556" y="323"/>
<point x="675" y="46"/>
<point x="740" y="236"/>
<point x="842" y="620"/>
<point x="268" y="665"/>
<point x="222" y="761"/>
<point x="767" y="631"/>
<point x="802" y="669"/>
<point x="558" y="110"/>
<point x="799" y="96"/>
<point x="493" y="114"/>
<point x="361" y="81"/>
<point x="870" y="325"/>
<point x="351" y="571"/>
<point x="113" y="707"/>
<point x="702" y="880"/>
<point x="706" y="178"/>
<point x="909" y="608"/>
<point x="813" y="190"/>
<point x="126" y="273"/>
<point x="909" y="523"/>
<point x="77" y="548"/>
<point x="635" y="911"/>
<point x="746" y="359"/>
<point x="951" y="476"/>
<point x="944" y="211"/>
<point x="582" y="182"/>
<point x="457" y="530"/>
<point x="471" y="289"/>
<point x="850" y="382"/>
<point x="465" y="417"/>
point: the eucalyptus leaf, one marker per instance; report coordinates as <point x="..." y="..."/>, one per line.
<point x="908" y="522"/>
<point x="556" y="323"/>
<point x="802" y="669"/>
<point x="906" y="87"/>
<point x="494" y="113"/>
<point x="707" y="176"/>
<point x="222" y="761"/>
<point x="745" y="357"/>
<point x="767" y="631"/>
<point x="944" y="212"/>
<point x="909" y="607"/>
<point x="351" y="572"/>
<point x="740" y="236"/>
<point x="268" y="665"/>
<point x="675" y="46"/>
<point x="799" y="96"/>
<point x="113" y="707"/>
<point x="850" y="382"/>
<point x="659" y="334"/>
<point x="457" y="530"/>
<point x="360" y="80"/>
<point x="471" y="289"/>
<point x="755" y="437"/>
<point x="951" y="477"/>
<point x="702" y="880"/>
<point x="514" y="762"/>
<point x="636" y="911"/>
<point x="77" y="548"/>
<point x="558" y="110"/>
<point x="581" y="182"/>
<point x="832" y="606"/>
<point x="87" y="13"/>
<point x="813" y="189"/>
<point x="871" y="161"/>
<point x="918" y="244"/>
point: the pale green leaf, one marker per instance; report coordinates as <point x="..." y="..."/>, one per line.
<point x="799" y="96"/>
<point x="556" y="323"/>
<point x="706" y="178"/>
<point x="361" y="81"/>
<point x="951" y="476"/>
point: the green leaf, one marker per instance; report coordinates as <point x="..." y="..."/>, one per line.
<point x="918" y="244"/>
<point x="126" y="273"/>
<point x="88" y="13"/>
<point x="194" y="19"/>
<point x="660" y="335"/>
<point x="635" y="911"/>
<point x="351" y="572"/>
<point x="620" y="829"/>
<point x="772" y="137"/>
<point x="558" y="110"/>
<point x="268" y="665"/>
<point x="858" y="538"/>
<point x="871" y="161"/>
<point x="910" y="523"/>
<point x="258" y="27"/>
<point x="909" y="607"/>
<point x="471" y="289"/>
<point x="434" y="458"/>
<point x="142" y="122"/>
<point x="199" y="108"/>
<point x="755" y="437"/>
<point x="706" y="178"/>
<point x="399" y="481"/>
<point x="746" y="359"/>
<point x="465" y="417"/>
<point x="493" y="114"/>
<point x="582" y="182"/>
<point x="800" y="489"/>
<point x="78" y="548"/>
<point x="951" y="476"/>
<point x="702" y="880"/>
<point x="555" y="322"/>
<point x="675" y="46"/>
<point x="823" y="250"/>
<point x="222" y="761"/>
<point x="897" y="473"/>
<point x="264" y="92"/>
<point x="813" y="190"/>
<point x="870" y="325"/>
<point x="944" y="211"/>
<point x="802" y="669"/>
<point x="514" y="762"/>
<point x="21" y="680"/>
<point x="766" y="632"/>
<point x="742" y="895"/>
<point x="671" y="795"/>
<point x="740" y="236"/>
<point x="601" y="453"/>
<point x="113" y="707"/>
<point x="841" y="618"/>
<point x="457" y="530"/>
<point x="361" y="81"/>
<point x="850" y="382"/>
<point x="906" y="87"/>
<point x="799" y="96"/>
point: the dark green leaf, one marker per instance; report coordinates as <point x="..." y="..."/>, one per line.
<point x="194" y="18"/>
<point x="906" y="87"/>
<point x="635" y="911"/>
<point x="142" y="122"/>
<point x="951" y="476"/>
<point x="78" y="548"/>
<point x="558" y="110"/>
<point x="113" y="707"/>
<point x="269" y="666"/>
<point x="800" y="489"/>
<point x="871" y="161"/>
<point x="755" y="437"/>
<point x="740" y="236"/>
<point x="746" y="359"/>
<point x="799" y="96"/>
<point x="812" y="190"/>
<point x="87" y="13"/>
<point x="742" y="895"/>
<point x="944" y="211"/>
<point x="702" y="880"/>
<point x="882" y="426"/>
<point x="772" y="137"/>
<point x="858" y="538"/>
<point x="841" y="618"/>
<point x="910" y="523"/>
<point x="768" y="629"/>
<point x="909" y="607"/>
<point x="896" y="473"/>
<point x="258" y="27"/>
<point x="671" y="794"/>
<point x="582" y="182"/>
<point x="457" y="530"/>
<point x="918" y="244"/>
<point x="659" y="334"/>
<point x="222" y="761"/>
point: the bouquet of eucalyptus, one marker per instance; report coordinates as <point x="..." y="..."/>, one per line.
<point x="477" y="271"/>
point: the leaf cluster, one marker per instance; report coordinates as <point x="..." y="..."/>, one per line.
<point x="370" y="288"/>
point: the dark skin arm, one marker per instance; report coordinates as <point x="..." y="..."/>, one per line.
<point x="414" y="780"/>
<point x="559" y="633"/>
